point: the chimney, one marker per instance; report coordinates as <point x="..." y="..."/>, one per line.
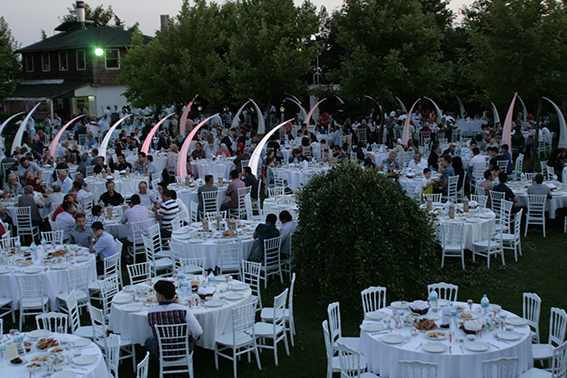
<point x="164" y="21"/>
<point x="80" y="11"/>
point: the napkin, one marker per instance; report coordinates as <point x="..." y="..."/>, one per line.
<point x="419" y="305"/>
<point x="473" y="325"/>
<point x="550" y="185"/>
<point x="473" y="204"/>
<point x="206" y="291"/>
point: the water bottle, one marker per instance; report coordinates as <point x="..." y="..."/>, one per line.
<point x="211" y="279"/>
<point x="2" y="353"/>
<point x="33" y="251"/>
<point x="523" y="176"/>
<point x="18" y="246"/>
<point x="18" y="338"/>
<point x="433" y="300"/>
<point x="484" y="302"/>
<point x="554" y="177"/>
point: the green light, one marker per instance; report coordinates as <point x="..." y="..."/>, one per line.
<point x="99" y="52"/>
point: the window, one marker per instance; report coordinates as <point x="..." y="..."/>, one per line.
<point x="63" y="64"/>
<point x="29" y="62"/>
<point x="45" y="62"/>
<point x="81" y="60"/>
<point x="112" y="60"/>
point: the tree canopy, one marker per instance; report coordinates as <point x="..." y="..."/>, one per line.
<point x="9" y="63"/>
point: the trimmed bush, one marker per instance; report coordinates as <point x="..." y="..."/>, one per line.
<point x="357" y="228"/>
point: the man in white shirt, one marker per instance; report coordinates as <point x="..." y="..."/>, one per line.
<point x="417" y="164"/>
<point x="104" y="123"/>
<point x="171" y="313"/>
<point x="135" y="213"/>
<point x="64" y="182"/>
<point x="287" y="230"/>
<point x="55" y="197"/>
<point x="108" y="112"/>
<point x="81" y="193"/>
<point x="146" y="198"/>
<point x="65" y="220"/>
<point x="477" y="158"/>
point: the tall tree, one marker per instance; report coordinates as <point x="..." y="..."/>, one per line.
<point x="180" y="62"/>
<point x="393" y="48"/>
<point x="271" y="49"/>
<point x="518" y="46"/>
<point x="9" y="64"/>
<point x="99" y="16"/>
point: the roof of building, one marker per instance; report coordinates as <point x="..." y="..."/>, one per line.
<point x="44" y="89"/>
<point x="103" y="36"/>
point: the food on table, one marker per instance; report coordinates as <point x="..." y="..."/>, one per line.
<point x="435" y="335"/>
<point x="445" y="326"/>
<point x="459" y="308"/>
<point x="17" y="361"/>
<point x="425" y="325"/>
<point x="33" y="366"/>
<point x="59" y="252"/>
<point x="46" y="343"/>
<point x="151" y="299"/>
<point x="27" y="263"/>
<point x="40" y="359"/>
<point x="246" y="229"/>
<point x="466" y="315"/>
<point x="56" y="350"/>
<point x="27" y="343"/>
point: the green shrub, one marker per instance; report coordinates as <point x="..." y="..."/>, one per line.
<point x="357" y="229"/>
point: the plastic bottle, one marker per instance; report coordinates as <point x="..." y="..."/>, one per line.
<point x="18" y="246"/>
<point x="433" y="300"/>
<point x="2" y="354"/>
<point x="484" y="302"/>
<point x="523" y="176"/>
<point x="33" y="251"/>
<point x="19" y="339"/>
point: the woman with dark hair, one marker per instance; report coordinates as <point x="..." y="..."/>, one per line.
<point x="458" y="167"/>
<point x="556" y="162"/>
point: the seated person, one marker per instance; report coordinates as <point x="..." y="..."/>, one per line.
<point x="166" y="212"/>
<point x="146" y="198"/>
<point x="487" y="184"/>
<point x="263" y="232"/>
<point x="103" y="245"/>
<point x="208" y="187"/>
<point x="122" y="164"/>
<point x="538" y="188"/>
<point x="170" y="312"/>
<point x="417" y="164"/>
<point x="110" y="197"/>
<point x="286" y="232"/>
<point x="64" y="181"/>
<point x="65" y="220"/>
<point x="427" y="183"/>
<point x="81" y="234"/>
<point x="232" y="191"/>
<point x="12" y="188"/>
<point x="390" y="163"/>
<point x="502" y="187"/>
<point x="95" y="216"/>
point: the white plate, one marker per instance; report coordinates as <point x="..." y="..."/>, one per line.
<point x="222" y="278"/>
<point x="434" y="347"/>
<point x="371" y="327"/>
<point x="122" y="299"/>
<point x="473" y="220"/>
<point x="399" y="304"/>
<point x="494" y="307"/>
<point x="443" y="302"/>
<point x="5" y="270"/>
<point x="59" y="266"/>
<point x="376" y="315"/>
<point x="234" y="296"/>
<point x="477" y="346"/>
<point x="439" y="337"/>
<point x="509" y="335"/>
<point x="516" y="321"/>
<point x="33" y="270"/>
<point x="432" y="317"/>
<point x="24" y="361"/>
<point x="240" y="287"/>
<point x="214" y="303"/>
<point x="393" y="338"/>
<point x="473" y="314"/>
<point x="189" y="277"/>
<point x="82" y="258"/>
<point x="132" y="307"/>
<point x="81" y="343"/>
<point x="85" y="359"/>
<point x="64" y="374"/>
<point x="39" y="333"/>
<point x="486" y="216"/>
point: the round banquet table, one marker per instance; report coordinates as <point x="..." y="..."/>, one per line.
<point x="383" y="358"/>
<point x="54" y="275"/>
<point x="296" y="177"/>
<point x="216" y="168"/>
<point x="477" y="225"/>
<point x="276" y="205"/>
<point x="159" y="161"/>
<point x="196" y="245"/>
<point x="558" y="200"/>
<point x="186" y="195"/>
<point x="97" y="369"/>
<point x="470" y="127"/>
<point x="412" y="186"/>
<point x="215" y="321"/>
<point x="98" y="184"/>
<point x="119" y="230"/>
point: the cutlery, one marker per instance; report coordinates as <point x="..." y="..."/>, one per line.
<point x="493" y="345"/>
<point x="450" y="350"/>
<point x="462" y="350"/>
<point x="420" y="344"/>
<point x="405" y="342"/>
<point x="502" y="341"/>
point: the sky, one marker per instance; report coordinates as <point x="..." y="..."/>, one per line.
<point x="26" y="24"/>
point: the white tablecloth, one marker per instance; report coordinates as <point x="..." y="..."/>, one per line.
<point x="202" y="168"/>
<point x="119" y="230"/>
<point x="191" y="195"/>
<point x="270" y="205"/>
<point x="473" y="231"/>
<point x="558" y="201"/>
<point x="383" y="359"/>
<point x="95" y="370"/>
<point x="214" y="321"/>
<point x="296" y="177"/>
<point x="54" y="281"/>
<point x="98" y="185"/>
<point x="469" y="127"/>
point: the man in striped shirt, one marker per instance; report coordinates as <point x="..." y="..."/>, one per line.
<point x="169" y="312"/>
<point x="166" y="212"/>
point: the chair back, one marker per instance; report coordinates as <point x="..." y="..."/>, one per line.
<point x="139" y="273"/>
<point x="194" y="212"/>
<point x="453" y="234"/>
<point x="531" y="309"/>
<point x="173" y="341"/>
<point x="142" y="368"/>
<point x="23" y="220"/>
<point x="557" y="324"/>
<point x="52" y="321"/>
<point x="113" y="354"/>
<point x="272" y="254"/>
<point x="30" y="287"/>
<point x="139" y="229"/>
<point x="78" y="279"/>
<point x="444" y="290"/>
<point x="373" y="299"/>
<point x="505" y="215"/>
<point x="276" y="191"/>
<point x="176" y="253"/>
<point x="500" y="368"/>
<point x="251" y="276"/>
<point x="210" y="201"/>
<point x="480" y="199"/>
<point x="350" y="360"/>
<point x="53" y="237"/>
<point x="194" y="265"/>
<point x="496" y="201"/>
<point x="6" y="244"/>
<point x="88" y="203"/>
<point x="503" y="165"/>
<point x="435" y="197"/>
<point x="74" y="318"/>
<point x="243" y="318"/>
<point x="417" y="369"/>
<point x="559" y="363"/>
<point x="550" y="173"/>
<point x="536" y="206"/>
<point x="279" y="311"/>
<point x="452" y="188"/>
<point x="334" y="313"/>
<point x="328" y="348"/>
<point x="230" y="257"/>
<point x="108" y="289"/>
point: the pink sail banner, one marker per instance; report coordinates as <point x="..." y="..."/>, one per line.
<point x="183" y="122"/>
<point x="562" y="125"/>
<point x="255" y="158"/>
<point x="148" y="141"/>
<point x="182" y="158"/>
<point x="104" y="144"/>
<point x="311" y="113"/>
<point x="405" y="135"/>
<point x="20" y="132"/>
<point x="55" y="141"/>
<point x="507" y="130"/>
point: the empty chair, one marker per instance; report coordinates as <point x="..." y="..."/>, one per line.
<point x="113" y="354"/>
<point x="267" y="313"/>
<point x="536" y="211"/>
<point x="373" y="299"/>
<point x="53" y="237"/>
<point x="142" y="368"/>
<point x="251" y="276"/>
<point x="334" y="313"/>
<point x="351" y="361"/>
<point x="531" y="309"/>
<point x="492" y="245"/>
<point x="139" y="273"/>
<point x="500" y="368"/>
<point x="111" y="268"/>
<point x="550" y="173"/>
<point x="173" y="344"/>
<point x="276" y="330"/>
<point x="108" y="289"/>
<point x="557" y="324"/>
<point x="195" y="265"/>
<point x="333" y="363"/>
<point x="558" y="365"/>
<point x="156" y="264"/>
<point x="31" y="296"/>
<point x="242" y="339"/>
<point x="480" y="199"/>
<point x="194" y="212"/>
<point x="229" y="257"/>
<point x="138" y="230"/>
<point x="74" y="319"/>
<point x="417" y="369"/>
<point x="155" y="235"/>
<point x="276" y="191"/>
<point x="503" y="221"/>
<point x="435" y="197"/>
<point x="77" y="281"/>
<point x="52" y="321"/>
<point x="511" y="240"/>
<point x="453" y="241"/>
<point x="444" y="290"/>
<point x="452" y="188"/>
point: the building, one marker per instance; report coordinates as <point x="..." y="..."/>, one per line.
<point x="74" y="71"/>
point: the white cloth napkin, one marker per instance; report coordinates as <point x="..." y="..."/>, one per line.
<point x="206" y="291"/>
<point x="473" y="325"/>
<point x="419" y="305"/>
<point x="473" y="204"/>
